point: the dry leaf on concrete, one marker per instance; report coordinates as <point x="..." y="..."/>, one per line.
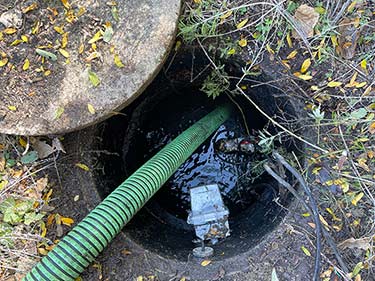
<point x="306" y="18"/>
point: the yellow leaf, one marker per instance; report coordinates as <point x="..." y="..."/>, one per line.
<point x="231" y="51"/>
<point x="29" y="8"/>
<point x="292" y="54"/>
<point x="357" y="198"/>
<point x="59" y="112"/>
<point x="205" y="262"/>
<point x="334" y="40"/>
<point x="242" y="42"/>
<point x="139" y="278"/>
<point x="364" y="64"/>
<point x="371" y="129"/>
<point x="351" y="7"/>
<point x="42" y="251"/>
<point x="66" y="4"/>
<point x="352" y="80"/>
<point x="64" y="40"/>
<point x="226" y="15"/>
<point x="91" y="108"/>
<point x="25" y="38"/>
<point x="81" y="49"/>
<point x="360" y="85"/>
<point x="3" y="62"/>
<point x="83" y="167"/>
<point x="26" y="65"/>
<point x="118" y="61"/>
<point x="306" y="251"/>
<point x="58" y="29"/>
<point x="96" y="37"/>
<point x="67" y="221"/>
<point x="64" y="53"/>
<point x="22" y="142"/>
<point x="12" y="107"/>
<point x="43" y="229"/>
<point x="323" y="221"/>
<point x="304" y="76"/>
<point x="305" y="65"/>
<point x="16" y="42"/>
<point x="367" y="91"/>
<point x="269" y="49"/>
<point x="10" y="30"/>
<point x="242" y="23"/>
<point x="289" y="40"/>
<point x="333" y="84"/>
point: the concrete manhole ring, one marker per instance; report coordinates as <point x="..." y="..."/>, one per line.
<point x="59" y="102"/>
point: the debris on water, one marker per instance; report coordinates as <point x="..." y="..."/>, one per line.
<point x="232" y="145"/>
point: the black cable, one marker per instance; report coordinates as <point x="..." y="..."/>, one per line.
<point x="314" y="208"/>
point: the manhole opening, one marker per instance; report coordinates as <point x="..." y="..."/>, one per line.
<point x="171" y="104"/>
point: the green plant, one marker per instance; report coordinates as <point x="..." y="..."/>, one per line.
<point x="215" y="83"/>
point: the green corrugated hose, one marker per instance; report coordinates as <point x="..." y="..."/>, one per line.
<point x="84" y="242"/>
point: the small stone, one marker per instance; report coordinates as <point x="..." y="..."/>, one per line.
<point x="76" y="198"/>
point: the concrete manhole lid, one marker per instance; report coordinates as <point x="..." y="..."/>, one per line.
<point x="92" y="74"/>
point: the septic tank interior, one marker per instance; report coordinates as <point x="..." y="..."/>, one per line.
<point x="171" y="104"/>
<point x="158" y="238"/>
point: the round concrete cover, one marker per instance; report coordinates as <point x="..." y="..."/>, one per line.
<point x="68" y="99"/>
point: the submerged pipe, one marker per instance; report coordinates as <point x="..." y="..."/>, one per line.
<point x="85" y="241"/>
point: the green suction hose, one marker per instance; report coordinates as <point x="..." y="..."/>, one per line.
<point x="84" y="242"/>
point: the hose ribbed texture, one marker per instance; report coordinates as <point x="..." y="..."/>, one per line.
<point x="84" y="242"/>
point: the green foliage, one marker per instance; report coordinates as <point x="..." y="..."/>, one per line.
<point x="17" y="211"/>
<point x="215" y="84"/>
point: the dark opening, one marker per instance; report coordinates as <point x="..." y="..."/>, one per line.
<point x="170" y="105"/>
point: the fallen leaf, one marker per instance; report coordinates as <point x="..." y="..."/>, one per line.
<point x="292" y="54"/>
<point x="242" y="23"/>
<point x="306" y="251"/>
<point x="289" y="40"/>
<point x="94" y="79"/>
<point x="242" y="42"/>
<point x="65" y="53"/>
<point x="98" y="36"/>
<point x="44" y="150"/>
<point x="67" y="221"/>
<point x="334" y="84"/>
<point x="305" y="65"/>
<point x="59" y="112"/>
<point x="364" y="64"/>
<point x="371" y="129"/>
<point x="83" y="167"/>
<point x="12" y="107"/>
<point x="226" y="15"/>
<point x="108" y="34"/>
<point x="306" y="18"/>
<point x="363" y="243"/>
<point x="205" y="262"/>
<point x="118" y="61"/>
<point x="304" y="76"/>
<point x="91" y="108"/>
<point x="26" y="65"/>
<point x="357" y="198"/>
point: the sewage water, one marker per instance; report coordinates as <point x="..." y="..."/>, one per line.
<point x="239" y="176"/>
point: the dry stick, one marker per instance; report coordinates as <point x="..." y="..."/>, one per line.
<point x="279" y="125"/>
